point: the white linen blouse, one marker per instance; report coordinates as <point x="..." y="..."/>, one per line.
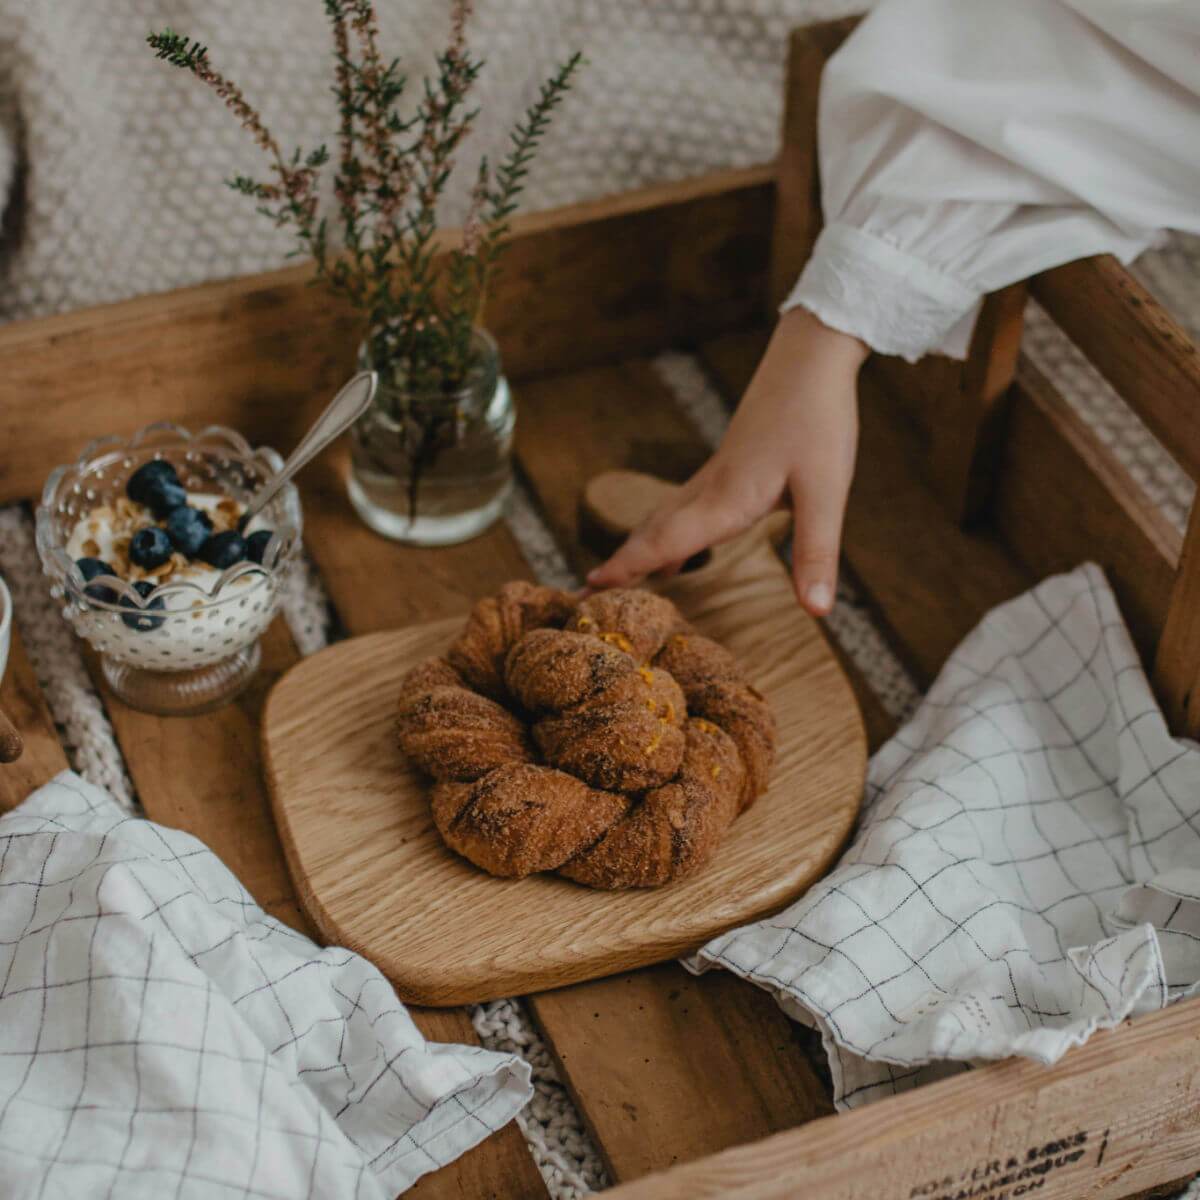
<point x="965" y="144"/>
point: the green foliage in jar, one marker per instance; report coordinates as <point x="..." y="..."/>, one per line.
<point x="419" y="306"/>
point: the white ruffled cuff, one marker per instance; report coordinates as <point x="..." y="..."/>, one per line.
<point x="896" y="303"/>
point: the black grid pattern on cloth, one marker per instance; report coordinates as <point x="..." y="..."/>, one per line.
<point x="1026" y="869"/>
<point x="160" y="1035"/>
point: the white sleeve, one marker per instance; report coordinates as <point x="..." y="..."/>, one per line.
<point x="965" y="144"/>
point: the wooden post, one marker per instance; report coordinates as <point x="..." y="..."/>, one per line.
<point x="969" y="420"/>
<point x="798" y="189"/>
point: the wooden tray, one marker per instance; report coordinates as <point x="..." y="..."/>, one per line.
<point x="373" y="873"/>
<point x="691" y="1086"/>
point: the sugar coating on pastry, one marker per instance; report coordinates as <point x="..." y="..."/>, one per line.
<point x="496" y="624"/>
<point x="633" y="620"/>
<point x="454" y="733"/>
<point x="605" y="740"/>
<point x="744" y="714"/>
<point x="430" y="672"/>
<point x="676" y="828"/>
<point x="552" y="669"/>
<point x="696" y="661"/>
<point x="522" y="817"/>
<point x="626" y="738"/>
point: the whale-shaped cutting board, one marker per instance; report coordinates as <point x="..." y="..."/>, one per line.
<point x="373" y="874"/>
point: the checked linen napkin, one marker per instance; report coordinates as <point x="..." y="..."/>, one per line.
<point x="1026" y="868"/>
<point x="160" y="1035"/>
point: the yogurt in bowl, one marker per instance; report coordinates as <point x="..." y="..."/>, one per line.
<point x="143" y="541"/>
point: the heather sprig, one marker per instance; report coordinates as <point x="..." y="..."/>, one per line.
<point x="419" y="308"/>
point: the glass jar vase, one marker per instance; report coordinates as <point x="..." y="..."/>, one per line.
<point x="432" y="469"/>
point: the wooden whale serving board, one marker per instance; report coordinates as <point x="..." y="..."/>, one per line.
<point x="373" y="874"/>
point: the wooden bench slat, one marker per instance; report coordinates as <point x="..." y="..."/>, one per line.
<point x="1134" y="342"/>
<point x="669" y="1067"/>
<point x="580" y="284"/>
<point x="202" y="775"/>
<point x="377" y="584"/>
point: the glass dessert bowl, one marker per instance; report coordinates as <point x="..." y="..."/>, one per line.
<point x="173" y="601"/>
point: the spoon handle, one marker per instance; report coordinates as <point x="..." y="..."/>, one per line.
<point x="10" y="740"/>
<point x="344" y="409"/>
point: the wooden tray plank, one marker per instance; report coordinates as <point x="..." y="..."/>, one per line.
<point x="1062" y="497"/>
<point x="43" y="758"/>
<point x="1143" y="351"/>
<point x="1125" y="1105"/>
<point x="668" y="1067"/>
<point x="259" y="353"/>
<point x="570" y="428"/>
<point x="376" y="584"/>
<point x="203" y="775"/>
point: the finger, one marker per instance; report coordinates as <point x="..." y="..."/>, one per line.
<point x="668" y="570"/>
<point x="818" y="508"/>
<point x="670" y="536"/>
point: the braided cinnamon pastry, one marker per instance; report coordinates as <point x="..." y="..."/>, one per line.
<point x="616" y="750"/>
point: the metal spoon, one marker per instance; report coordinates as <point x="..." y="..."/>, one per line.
<point x="344" y="409"/>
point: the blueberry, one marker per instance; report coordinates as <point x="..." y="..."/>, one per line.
<point x="156" y="485"/>
<point x="139" y="621"/>
<point x="89" y="568"/>
<point x="150" y="548"/>
<point x="188" y="528"/>
<point x="224" y="549"/>
<point x="256" y="545"/>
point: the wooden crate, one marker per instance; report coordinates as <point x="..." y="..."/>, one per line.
<point x="981" y="472"/>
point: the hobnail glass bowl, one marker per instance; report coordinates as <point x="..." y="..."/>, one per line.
<point x="199" y="648"/>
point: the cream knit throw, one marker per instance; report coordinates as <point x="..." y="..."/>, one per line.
<point x="113" y="161"/>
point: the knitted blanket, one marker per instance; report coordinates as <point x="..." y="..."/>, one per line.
<point x="111" y="162"/>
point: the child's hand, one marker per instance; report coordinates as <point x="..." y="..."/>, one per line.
<point x="791" y="441"/>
